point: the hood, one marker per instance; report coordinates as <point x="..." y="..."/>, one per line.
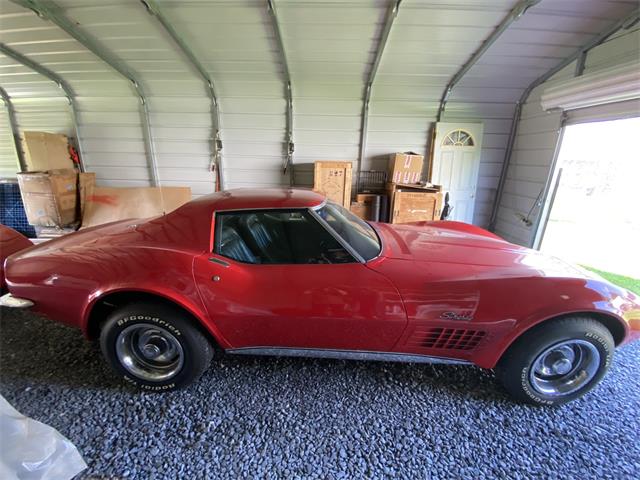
<point x="462" y="245"/>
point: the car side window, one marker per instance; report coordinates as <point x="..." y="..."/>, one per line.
<point x="276" y="237"/>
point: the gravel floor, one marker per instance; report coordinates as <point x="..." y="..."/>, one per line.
<point x="293" y="418"/>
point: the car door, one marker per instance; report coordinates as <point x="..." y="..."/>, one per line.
<point x="281" y="279"/>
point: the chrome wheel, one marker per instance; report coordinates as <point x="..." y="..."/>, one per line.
<point x="564" y="368"/>
<point x="149" y="352"/>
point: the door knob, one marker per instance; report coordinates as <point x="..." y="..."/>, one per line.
<point x="215" y="278"/>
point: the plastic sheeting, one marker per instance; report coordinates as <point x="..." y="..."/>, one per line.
<point x="30" y="450"/>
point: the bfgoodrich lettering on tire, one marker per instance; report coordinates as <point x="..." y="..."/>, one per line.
<point x="557" y="361"/>
<point x="155" y="347"/>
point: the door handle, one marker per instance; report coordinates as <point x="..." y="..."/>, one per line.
<point x="219" y="262"/>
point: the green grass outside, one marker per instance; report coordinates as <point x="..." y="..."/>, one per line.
<point x="632" y="284"/>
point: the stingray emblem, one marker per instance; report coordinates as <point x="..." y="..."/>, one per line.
<point x="456" y="316"/>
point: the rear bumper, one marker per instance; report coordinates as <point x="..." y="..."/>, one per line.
<point x="10" y="301"/>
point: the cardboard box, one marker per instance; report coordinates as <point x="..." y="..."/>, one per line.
<point x="45" y="151"/>
<point x="104" y="204"/>
<point x="405" y="167"/>
<point x="333" y="179"/>
<point x="49" y="197"/>
<point x="415" y="203"/>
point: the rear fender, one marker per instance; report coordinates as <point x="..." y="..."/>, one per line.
<point x="187" y="302"/>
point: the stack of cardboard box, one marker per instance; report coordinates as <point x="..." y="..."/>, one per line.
<point x="405" y="199"/>
<point x="410" y="200"/>
<point x="51" y="187"/>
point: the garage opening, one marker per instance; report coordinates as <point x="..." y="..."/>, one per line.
<point x="594" y="218"/>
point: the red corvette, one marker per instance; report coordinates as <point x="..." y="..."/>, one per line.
<point x="284" y="272"/>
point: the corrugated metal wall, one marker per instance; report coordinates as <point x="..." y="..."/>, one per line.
<point x="330" y="47"/>
<point x="537" y="138"/>
<point x="331" y="50"/>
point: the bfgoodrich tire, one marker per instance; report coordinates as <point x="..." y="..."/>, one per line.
<point x="155" y="347"/>
<point x="557" y="361"/>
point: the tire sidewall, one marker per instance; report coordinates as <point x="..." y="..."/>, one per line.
<point x="602" y="344"/>
<point x="174" y="324"/>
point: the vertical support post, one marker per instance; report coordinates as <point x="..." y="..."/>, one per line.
<point x="153" y="8"/>
<point x="148" y="141"/>
<point x="52" y="12"/>
<point x="13" y="126"/>
<point x="290" y="146"/>
<point x="392" y="13"/>
<point x="64" y="86"/>
<point x="507" y="157"/>
<point x="580" y="62"/>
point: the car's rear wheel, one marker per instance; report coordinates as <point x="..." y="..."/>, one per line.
<point x="557" y="362"/>
<point x="155" y="347"/>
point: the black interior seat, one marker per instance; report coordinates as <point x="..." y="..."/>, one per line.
<point x="267" y="237"/>
<point x="233" y="246"/>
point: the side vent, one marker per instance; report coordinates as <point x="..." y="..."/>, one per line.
<point x="453" y="338"/>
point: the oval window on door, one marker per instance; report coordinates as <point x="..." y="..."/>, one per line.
<point x="458" y="138"/>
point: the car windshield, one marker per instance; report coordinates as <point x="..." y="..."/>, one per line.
<point x="356" y="232"/>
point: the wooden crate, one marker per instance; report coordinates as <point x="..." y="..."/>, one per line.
<point x="415" y="204"/>
<point x="361" y="209"/>
<point x="333" y="179"/>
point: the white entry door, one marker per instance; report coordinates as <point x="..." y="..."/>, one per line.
<point x="456" y="164"/>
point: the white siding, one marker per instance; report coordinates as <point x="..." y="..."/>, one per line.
<point x="330" y="50"/>
<point x="536" y="141"/>
<point x="425" y="49"/>
<point x="527" y="174"/>
<point x="330" y="47"/>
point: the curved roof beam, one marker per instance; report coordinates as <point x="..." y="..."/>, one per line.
<point x="13" y="126"/>
<point x="216" y="164"/>
<point x="515" y="13"/>
<point x="52" y="12"/>
<point x="579" y="55"/>
<point x="392" y="13"/>
<point x="60" y="82"/>
<point x="288" y="162"/>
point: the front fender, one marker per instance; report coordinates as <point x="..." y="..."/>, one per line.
<point x="601" y="300"/>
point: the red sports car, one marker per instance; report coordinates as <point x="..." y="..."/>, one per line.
<point x="284" y="272"/>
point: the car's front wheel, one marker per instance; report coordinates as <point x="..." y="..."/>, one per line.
<point x="557" y="362"/>
<point x="155" y="347"/>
